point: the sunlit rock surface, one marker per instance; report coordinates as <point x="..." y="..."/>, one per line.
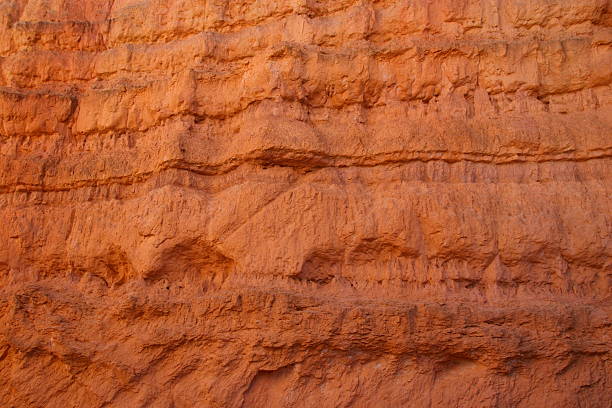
<point x="305" y="203"/>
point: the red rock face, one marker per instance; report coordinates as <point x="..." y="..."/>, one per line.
<point x="305" y="203"/>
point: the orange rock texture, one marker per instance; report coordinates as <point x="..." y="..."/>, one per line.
<point x="305" y="203"/>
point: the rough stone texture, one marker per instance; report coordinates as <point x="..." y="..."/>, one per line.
<point x="305" y="203"/>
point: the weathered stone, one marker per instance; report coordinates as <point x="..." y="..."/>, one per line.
<point x="305" y="203"/>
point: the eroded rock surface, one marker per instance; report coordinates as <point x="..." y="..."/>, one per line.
<point x="305" y="203"/>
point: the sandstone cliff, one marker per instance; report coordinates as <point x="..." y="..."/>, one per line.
<point x="305" y="203"/>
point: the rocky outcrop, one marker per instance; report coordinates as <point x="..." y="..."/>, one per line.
<point x="298" y="203"/>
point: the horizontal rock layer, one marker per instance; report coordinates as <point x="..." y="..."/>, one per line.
<point x="305" y="203"/>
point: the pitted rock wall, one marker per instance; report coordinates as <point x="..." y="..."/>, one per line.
<point x="300" y="203"/>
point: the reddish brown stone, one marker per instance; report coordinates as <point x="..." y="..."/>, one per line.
<point x="305" y="203"/>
